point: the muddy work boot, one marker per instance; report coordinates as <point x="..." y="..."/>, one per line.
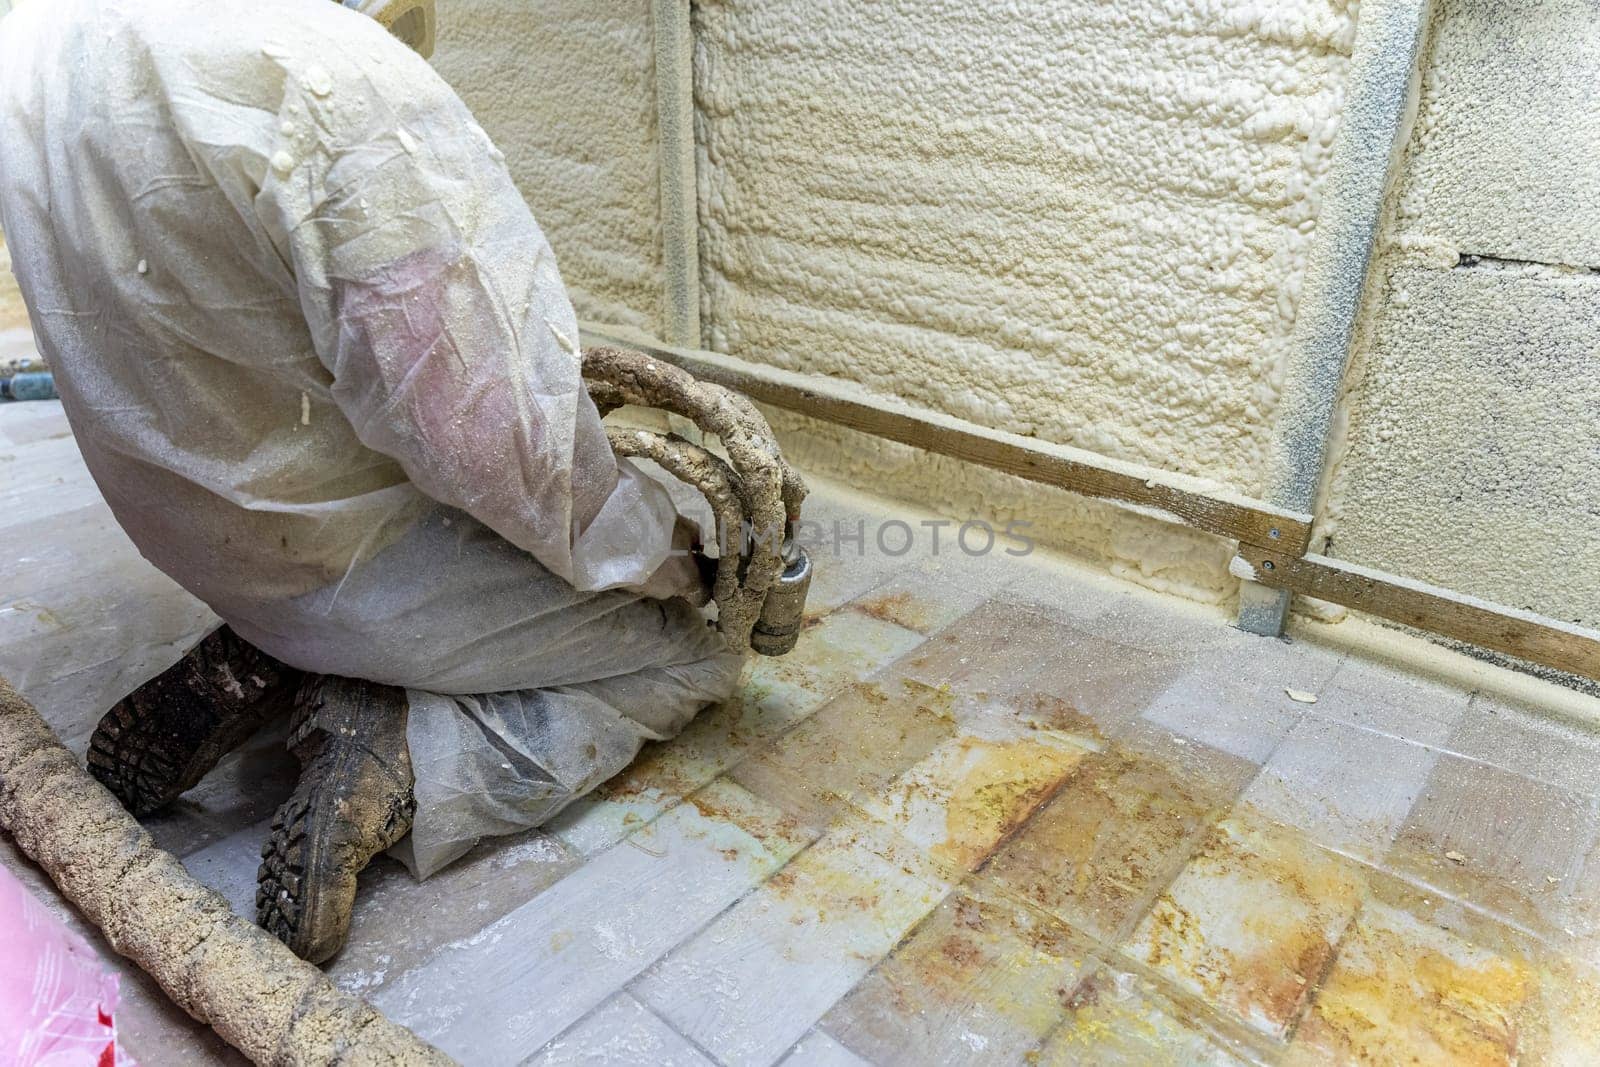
<point x="162" y="738"/>
<point x="352" y="802"/>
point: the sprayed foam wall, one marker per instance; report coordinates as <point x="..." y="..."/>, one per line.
<point x="567" y="89"/>
<point x="13" y="315"/>
<point x="1088" y="222"/>
<point x="1083" y="222"/>
<point x="1472" y="455"/>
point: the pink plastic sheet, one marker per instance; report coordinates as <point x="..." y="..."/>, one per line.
<point x="57" y="1000"/>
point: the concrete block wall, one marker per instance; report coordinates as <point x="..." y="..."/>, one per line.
<point x="1471" y="451"/>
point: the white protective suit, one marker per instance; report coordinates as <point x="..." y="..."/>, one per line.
<point x="320" y="362"/>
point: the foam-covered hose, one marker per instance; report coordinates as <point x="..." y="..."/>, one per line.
<point x="707" y="472"/>
<point x="257" y="995"/>
<point x="755" y="478"/>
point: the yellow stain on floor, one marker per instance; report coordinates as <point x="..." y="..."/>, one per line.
<point x="848" y="748"/>
<point x="1107" y="841"/>
<point x="973" y="793"/>
<point x="1050" y="712"/>
<point x="1252" y="922"/>
<point x="1406" y="992"/>
<point x="981" y="981"/>
<point x="854" y="875"/>
<point x="1120" y="1018"/>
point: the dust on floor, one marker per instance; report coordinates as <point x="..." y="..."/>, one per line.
<point x="990" y="811"/>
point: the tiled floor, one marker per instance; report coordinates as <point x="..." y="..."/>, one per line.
<point x="966" y="822"/>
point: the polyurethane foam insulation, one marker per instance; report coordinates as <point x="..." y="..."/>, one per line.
<point x="1471" y="457"/>
<point x="13" y="314"/>
<point x="566" y="88"/>
<point x="1083" y="222"/>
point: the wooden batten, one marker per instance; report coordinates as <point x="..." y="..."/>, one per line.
<point x="1272" y="542"/>
<point x="1522" y="634"/>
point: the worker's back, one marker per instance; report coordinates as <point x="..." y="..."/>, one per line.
<point x="136" y="140"/>
<point x="295" y="305"/>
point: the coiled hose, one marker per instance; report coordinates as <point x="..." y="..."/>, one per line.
<point x="755" y="496"/>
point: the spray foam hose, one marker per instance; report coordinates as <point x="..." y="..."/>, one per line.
<point x="755" y="486"/>
<point x="224" y="971"/>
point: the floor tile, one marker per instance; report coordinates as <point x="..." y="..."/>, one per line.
<point x="909" y="600"/>
<point x="399" y="923"/>
<point x="520" y="981"/>
<point x="1207" y="706"/>
<point x="1404" y="991"/>
<point x="843" y="648"/>
<point x="620" y="1033"/>
<point x="817" y="1049"/>
<point x="1390" y="701"/>
<point x="974" y="790"/>
<point x="1083" y="745"/>
<point x="666" y="772"/>
<point x="755" y="981"/>
<point x="1092" y="687"/>
<point x="986" y="652"/>
<point x="1251" y="922"/>
<point x="980" y="981"/>
<point x="1565" y="1030"/>
<point x="1514" y="846"/>
<point x="1527" y="742"/>
<point x="1346" y="787"/>
<point x="1116" y="1017"/>
<point x="1115" y="834"/>
<point x="852" y="746"/>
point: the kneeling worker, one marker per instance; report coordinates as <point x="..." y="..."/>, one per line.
<point x="320" y="362"/>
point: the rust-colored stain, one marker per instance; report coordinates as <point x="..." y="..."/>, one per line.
<point x="766" y="827"/>
<point x="1100" y="847"/>
<point x="1405" y="993"/>
<point x="1111" y="838"/>
<point x="1002" y="786"/>
<point x="972" y="793"/>
<point x="842" y="878"/>
<point x="851" y="746"/>
<point x="1252" y="922"/>
<point x="1050" y="712"/>
<point x="1106" y="1025"/>
<point x="979" y="976"/>
<point x="902" y="608"/>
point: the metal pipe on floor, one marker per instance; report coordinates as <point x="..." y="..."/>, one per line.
<point x="32" y="385"/>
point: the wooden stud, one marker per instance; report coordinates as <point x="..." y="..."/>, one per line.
<point x="1272" y="542"/>
<point x="680" y="203"/>
<point x="1522" y="634"/>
